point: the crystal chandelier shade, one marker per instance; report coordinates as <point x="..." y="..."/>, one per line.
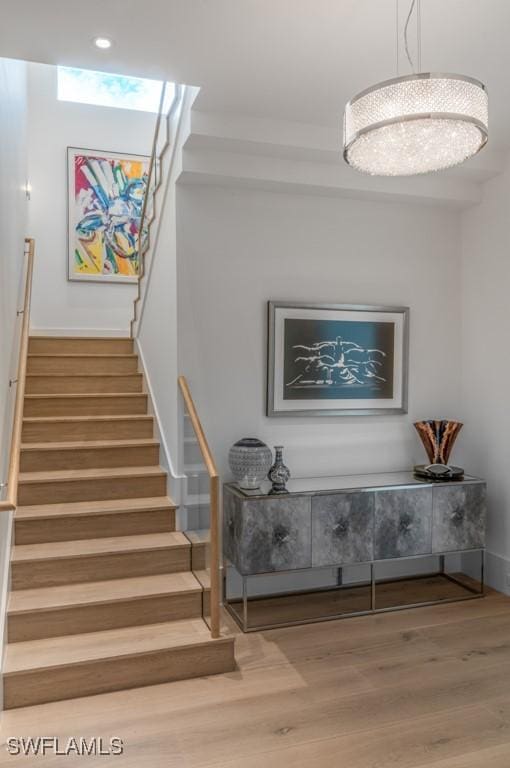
<point x="416" y="124"/>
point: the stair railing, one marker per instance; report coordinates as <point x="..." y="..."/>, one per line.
<point x="10" y="502"/>
<point x="214" y="495"/>
<point x="152" y="187"/>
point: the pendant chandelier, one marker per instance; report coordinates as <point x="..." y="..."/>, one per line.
<point x="417" y="123"/>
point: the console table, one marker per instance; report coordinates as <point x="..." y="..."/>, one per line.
<point x="340" y="522"/>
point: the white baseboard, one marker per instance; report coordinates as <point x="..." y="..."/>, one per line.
<point x="496" y="570"/>
<point x="81" y="332"/>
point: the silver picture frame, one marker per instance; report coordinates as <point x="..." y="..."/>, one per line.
<point x="327" y="406"/>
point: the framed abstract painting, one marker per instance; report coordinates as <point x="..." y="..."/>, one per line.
<point x="336" y="359"/>
<point x="105" y="199"/>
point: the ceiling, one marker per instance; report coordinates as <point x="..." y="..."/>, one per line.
<point x="294" y="60"/>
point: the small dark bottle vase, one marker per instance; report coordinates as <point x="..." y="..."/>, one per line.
<point x="279" y="473"/>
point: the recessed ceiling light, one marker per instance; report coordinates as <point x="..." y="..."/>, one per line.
<point x="102" y="42"/>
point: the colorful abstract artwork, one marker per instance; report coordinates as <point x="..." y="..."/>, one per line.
<point x="106" y="192"/>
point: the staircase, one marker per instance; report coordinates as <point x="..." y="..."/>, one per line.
<point x="103" y="596"/>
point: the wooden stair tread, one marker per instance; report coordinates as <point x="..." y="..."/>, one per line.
<point x="98" y="417"/>
<point x="105" y="355"/>
<point x="70" y="475"/>
<point x="101" y="592"/>
<point x="88" y="508"/>
<point x="103" y="546"/>
<point x="106" y="644"/>
<point x="75" y="395"/>
<point x="82" y="375"/>
<point x="204" y="578"/>
<point x="200" y="536"/>
<point x="80" y="444"/>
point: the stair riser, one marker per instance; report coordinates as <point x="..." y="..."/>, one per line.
<point x="71" y="528"/>
<point x="61" y="431"/>
<point x="56" y="492"/>
<point x="35" y="625"/>
<point x="199" y="557"/>
<point x="86" y="406"/>
<point x="89" y="458"/>
<point x="86" y="385"/>
<point x="74" y="346"/>
<point x="81" y="365"/>
<point x="86" y="679"/>
<point x="76" y="570"/>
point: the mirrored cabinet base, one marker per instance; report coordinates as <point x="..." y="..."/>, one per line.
<point x="342" y="547"/>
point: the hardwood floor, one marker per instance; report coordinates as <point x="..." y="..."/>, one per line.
<point x="426" y="687"/>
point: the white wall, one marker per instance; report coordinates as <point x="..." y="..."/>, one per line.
<point x="486" y="361"/>
<point x="13" y="216"/>
<point x="59" y="304"/>
<point x="13" y="226"/>
<point x="156" y="329"/>
<point x="237" y="249"/>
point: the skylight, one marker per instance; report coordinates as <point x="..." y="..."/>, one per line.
<point x="106" y="90"/>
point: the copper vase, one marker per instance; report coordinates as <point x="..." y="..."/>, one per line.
<point x="438" y="437"/>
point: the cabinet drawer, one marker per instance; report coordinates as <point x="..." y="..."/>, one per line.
<point x="460" y="513"/>
<point x="342" y="528"/>
<point x="403" y="523"/>
<point x="271" y="535"/>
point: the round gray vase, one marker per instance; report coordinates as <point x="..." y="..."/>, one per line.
<point x="249" y="460"/>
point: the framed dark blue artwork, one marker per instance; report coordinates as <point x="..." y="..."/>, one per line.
<point x="336" y="359"/>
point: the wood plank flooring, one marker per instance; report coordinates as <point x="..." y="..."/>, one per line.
<point x="426" y="687"/>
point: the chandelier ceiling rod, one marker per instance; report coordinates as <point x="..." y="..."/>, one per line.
<point x="414" y="4"/>
<point x="397" y="35"/>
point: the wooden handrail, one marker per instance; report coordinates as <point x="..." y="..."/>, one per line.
<point x="12" y="478"/>
<point x="197" y="427"/>
<point x="214" y="492"/>
<point x="152" y="165"/>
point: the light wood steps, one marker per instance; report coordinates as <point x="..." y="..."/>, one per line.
<point x="204" y="579"/>
<point x="93" y="519"/>
<point x="62" y="345"/>
<point x="38" y="671"/>
<point x="72" y="562"/>
<point x="200" y="541"/>
<point x="94" y="606"/>
<point x="40" y="429"/>
<point x="79" y="364"/>
<point x="118" y="403"/>
<point x="52" y="384"/>
<point x="103" y="596"/>
<point x="38" y="457"/>
<point x="90" y="484"/>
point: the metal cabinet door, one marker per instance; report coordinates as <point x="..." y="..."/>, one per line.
<point x="275" y="535"/>
<point x="403" y="522"/>
<point x="342" y="528"/>
<point x="460" y="513"/>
